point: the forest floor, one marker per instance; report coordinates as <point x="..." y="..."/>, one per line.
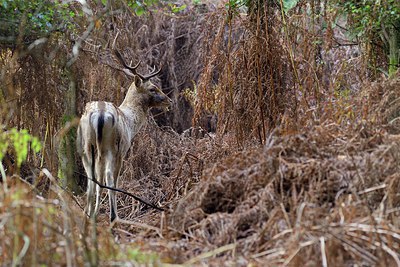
<point x="328" y="196"/>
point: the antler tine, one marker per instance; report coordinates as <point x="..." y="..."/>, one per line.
<point x="131" y="70"/>
<point x="122" y="60"/>
<point x="151" y="75"/>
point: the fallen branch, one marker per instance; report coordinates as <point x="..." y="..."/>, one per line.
<point x="127" y="193"/>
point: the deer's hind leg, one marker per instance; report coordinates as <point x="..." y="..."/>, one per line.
<point x="100" y="168"/>
<point x="112" y="171"/>
<point x="89" y="165"/>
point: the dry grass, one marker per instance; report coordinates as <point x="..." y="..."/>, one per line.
<point x="283" y="203"/>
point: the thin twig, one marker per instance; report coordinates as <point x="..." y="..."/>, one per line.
<point x="139" y="225"/>
<point x="209" y="254"/>
<point x="127" y="193"/>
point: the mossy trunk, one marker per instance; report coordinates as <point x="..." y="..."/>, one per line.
<point x="66" y="150"/>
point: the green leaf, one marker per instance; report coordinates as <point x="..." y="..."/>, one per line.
<point x="149" y="2"/>
<point x="21" y="141"/>
<point x="176" y="9"/>
<point x="3" y="145"/>
<point x="289" y="4"/>
<point x="4" y="4"/>
<point x="35" y="144"/>
<point x="139" y="11"/>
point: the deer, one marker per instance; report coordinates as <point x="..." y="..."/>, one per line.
<point x="105" y="133"/>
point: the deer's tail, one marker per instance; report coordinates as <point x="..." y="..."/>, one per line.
<point x="103" y="124"/>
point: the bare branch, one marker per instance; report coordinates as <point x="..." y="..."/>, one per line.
<point x="127" y="193"/>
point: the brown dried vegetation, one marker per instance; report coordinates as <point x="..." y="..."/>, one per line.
<point x="302" y="170"/>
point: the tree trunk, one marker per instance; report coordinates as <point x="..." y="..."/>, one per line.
<point x="66" y="150"/>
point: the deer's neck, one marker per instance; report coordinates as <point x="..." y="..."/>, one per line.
<point x="134" y="108"/>
<point x="135" y="100"/>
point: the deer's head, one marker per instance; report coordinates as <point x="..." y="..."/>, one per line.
<point x="143" y="89"/>
<point x="151" y="95"/>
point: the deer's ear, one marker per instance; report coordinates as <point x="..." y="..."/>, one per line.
<point x="138" y="81"/>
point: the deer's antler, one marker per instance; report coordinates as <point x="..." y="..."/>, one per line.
<point x="132" y="70"/>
